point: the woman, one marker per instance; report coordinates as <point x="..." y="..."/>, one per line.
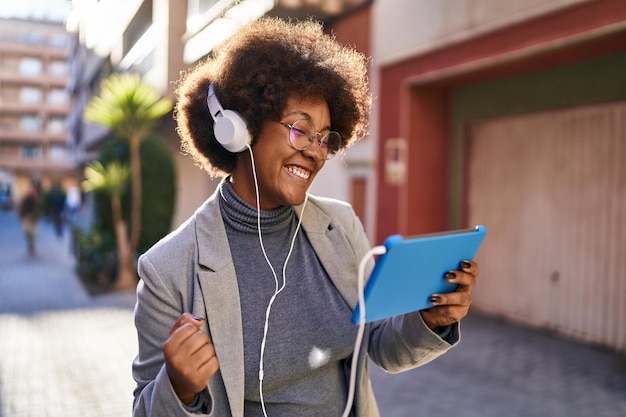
<point x="246" y="311"/>
<point x="29" y="211"/>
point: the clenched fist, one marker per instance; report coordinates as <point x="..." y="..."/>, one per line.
<point x="189" y="357"/>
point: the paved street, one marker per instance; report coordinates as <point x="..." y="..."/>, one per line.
<point x="64" y="353"/>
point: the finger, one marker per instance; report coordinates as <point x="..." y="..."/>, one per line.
<point x="187" y="338"/>
<point x="196" y="341"/>
<point x="470" y="267"/>
<point x="206" y="359"/>
<point x="466" y="281"/>
<point x="457" y="298"/>
<point x="210" y="367"/>
<point x="187" y="318"/>
<point x="195" y="350"/>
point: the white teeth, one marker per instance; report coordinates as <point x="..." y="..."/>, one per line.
<point x="302" y="173"/>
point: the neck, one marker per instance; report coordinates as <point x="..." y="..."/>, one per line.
<point x="243" y="183"/>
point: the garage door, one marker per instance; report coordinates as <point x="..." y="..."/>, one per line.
<point x="551" y="190"/>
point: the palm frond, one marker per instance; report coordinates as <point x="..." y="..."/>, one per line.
<point x="112" y="178"/>
<point x="127" y="105"/>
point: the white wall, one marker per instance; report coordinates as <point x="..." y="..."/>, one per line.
<point x="334" y="180"/>
<point x="406" y="28"/>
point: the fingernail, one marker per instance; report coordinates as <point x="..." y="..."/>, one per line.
<point x="466" y="265"/>
<point x="435" y="299"/>
<point x="450" y="276"/>
<point x="197" y="318"/>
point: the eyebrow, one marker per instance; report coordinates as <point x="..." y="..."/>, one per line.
<point x="306" y="116"/>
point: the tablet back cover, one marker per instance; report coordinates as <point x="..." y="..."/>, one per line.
<point x="413" y="269"/>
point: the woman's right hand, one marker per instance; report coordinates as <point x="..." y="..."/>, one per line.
<point x="189" y="357"/>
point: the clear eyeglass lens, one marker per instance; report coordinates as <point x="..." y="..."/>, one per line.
<point x="333" y="143"/>
<point x="301" y="132"/>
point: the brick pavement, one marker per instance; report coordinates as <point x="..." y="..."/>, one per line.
<point x="64" y="353"/>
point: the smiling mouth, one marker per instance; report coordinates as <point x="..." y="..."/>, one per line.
<point x="299" y="172"/>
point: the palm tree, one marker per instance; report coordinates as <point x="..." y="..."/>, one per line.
<point x="112" y="179"/>
<point x="131" y="108"/>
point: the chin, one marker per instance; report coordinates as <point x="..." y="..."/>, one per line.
<point x="295" y="200"/>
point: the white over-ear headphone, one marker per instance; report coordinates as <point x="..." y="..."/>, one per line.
<point x="229" y="127"/>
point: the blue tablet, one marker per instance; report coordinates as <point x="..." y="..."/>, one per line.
<point x="412" y="269"/>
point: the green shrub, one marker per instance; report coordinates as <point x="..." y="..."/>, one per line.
<point x="96" y="256"/>
<point x="158" y="178"/>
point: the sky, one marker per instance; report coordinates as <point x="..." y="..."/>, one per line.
<point x="37" y="9"/>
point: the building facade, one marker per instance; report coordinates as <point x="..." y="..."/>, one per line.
<point x="34" y="104"/>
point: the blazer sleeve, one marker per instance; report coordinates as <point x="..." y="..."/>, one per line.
<point x="396" y="344"/>
<point x="405" y="342"/>
<point x="159" y="304"/>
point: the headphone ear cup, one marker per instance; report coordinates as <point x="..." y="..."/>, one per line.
<point x="231" y="131"/>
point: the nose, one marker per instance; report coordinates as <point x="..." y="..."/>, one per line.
<point x="316" y="151"/>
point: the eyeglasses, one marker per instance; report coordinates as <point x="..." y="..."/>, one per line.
<point x="302" y="134"/>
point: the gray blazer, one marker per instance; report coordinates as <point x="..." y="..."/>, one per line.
<point x="191" y="270"/>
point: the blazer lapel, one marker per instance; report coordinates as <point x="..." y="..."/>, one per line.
<point x="220" y="292"/>
<point x="333" y="249"/>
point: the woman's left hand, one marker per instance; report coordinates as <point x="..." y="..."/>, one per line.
<point x="452" y="307"/>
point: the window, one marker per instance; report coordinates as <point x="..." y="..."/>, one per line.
<point x="198" y="7"/>
<point x="56" y="124"/>
<point x="31" y="151"/>
<point x="30" y="123"/>
<point x="58" y="96"/>
<point x="195" y="10"/>
<point x="30" y="66"/>
<point x="58" y="41"/>
<point x="30" y="95"/>
<point x="138" y="26"/>
<point x="32" y="38"/>
<point x="57" y="153"/>
<point x="58" y="69"/>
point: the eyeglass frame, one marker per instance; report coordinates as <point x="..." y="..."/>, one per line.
<point x="311" y="139"/>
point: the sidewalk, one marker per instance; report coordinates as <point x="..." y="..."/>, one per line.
<point x="64" y="353"/>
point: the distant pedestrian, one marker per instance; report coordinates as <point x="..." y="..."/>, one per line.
<point x="29" y="211"/>
<point x="72" y="202"/>
<point x="57" y="208"/>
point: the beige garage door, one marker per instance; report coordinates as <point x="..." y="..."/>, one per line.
<point x="551" y="190"/>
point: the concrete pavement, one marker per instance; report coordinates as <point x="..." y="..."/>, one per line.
<point x="64" y="353"/>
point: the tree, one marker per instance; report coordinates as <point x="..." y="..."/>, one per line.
<point x="158" y="180"/>
<point x="113" y="179"/>
<point x="131" y="108"/>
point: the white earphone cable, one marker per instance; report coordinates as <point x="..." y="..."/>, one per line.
<point x="277" y="289"/>
<point x="377" y="250"/>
